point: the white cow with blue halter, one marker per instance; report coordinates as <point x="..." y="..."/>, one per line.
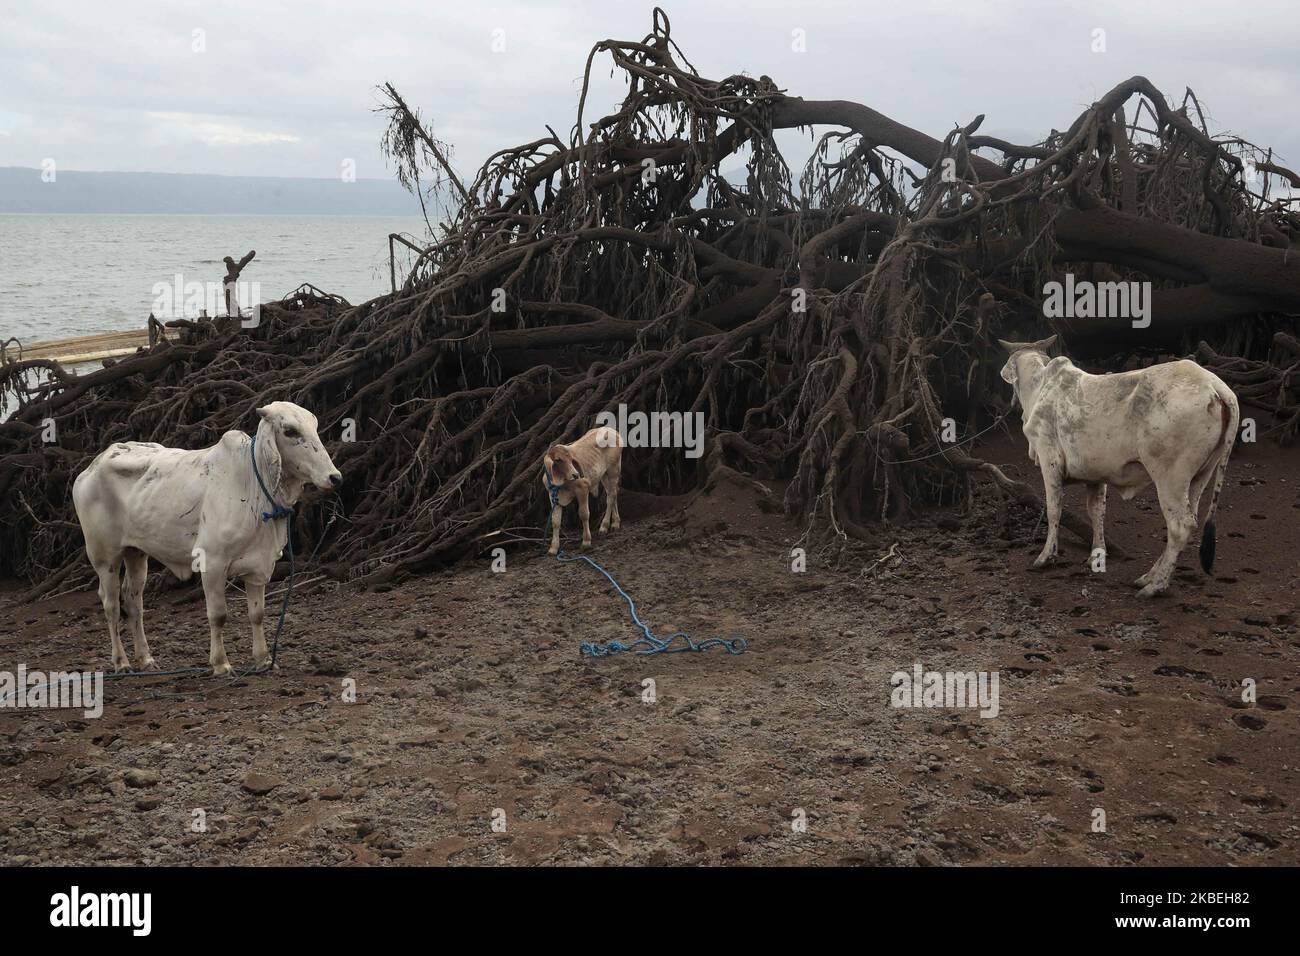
<point x="220" y="511"/>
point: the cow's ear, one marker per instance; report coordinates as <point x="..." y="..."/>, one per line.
<point x="1009" y="372"/>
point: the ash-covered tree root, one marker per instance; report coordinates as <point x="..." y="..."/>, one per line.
<point x="826" y="324"/>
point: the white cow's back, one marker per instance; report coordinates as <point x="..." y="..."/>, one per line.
<point x="1104" y="425"/>
<point x="163" y="500"/>
<point x="146" y="496"/>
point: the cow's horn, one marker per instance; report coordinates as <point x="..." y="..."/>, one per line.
<point x="1042" y="345"/>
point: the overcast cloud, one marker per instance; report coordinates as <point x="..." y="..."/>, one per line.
<point x="288" y="89"/>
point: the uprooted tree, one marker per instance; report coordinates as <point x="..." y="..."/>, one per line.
<point x="825" y="324"/>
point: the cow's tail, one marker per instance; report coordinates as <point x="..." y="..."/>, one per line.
<point x="1231" y="416"/>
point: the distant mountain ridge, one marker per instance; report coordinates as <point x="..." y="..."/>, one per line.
<point x="22" y="190"/>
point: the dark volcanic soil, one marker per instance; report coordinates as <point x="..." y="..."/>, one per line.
<point x="472" y="697"/>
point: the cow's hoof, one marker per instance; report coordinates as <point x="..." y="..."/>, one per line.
<point x="1142" y="581"/>
<point x="120" y="666"/>
<point x="221" y="670"/>
<point x="553" y="552"/>
<point x="586" y="546"/>
<point x="263" y="664"/>
<point x="1150" y="591"/>
<point x="148" y="664"/>
<point x="1044" y="561"/>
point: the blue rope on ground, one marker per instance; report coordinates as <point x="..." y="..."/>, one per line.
<point x="647" y="643"/>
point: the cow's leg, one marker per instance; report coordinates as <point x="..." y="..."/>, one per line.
<point x="557" y="515"/>
<point x="1180" y="525"/>
<point x="611" y="489"/>
<point x="1097" y="515"/>
<point x="214" y="590"/>
<point x="110" y="591"/>
<point x="609" y="504"/>
<point x="1052" y="492"/>
<point x="255" y="589"/>
<point x="137" y="569"/>
<point x="584" y="512"/>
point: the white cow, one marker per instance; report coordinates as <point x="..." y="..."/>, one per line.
<point x="1172" y="424"/>
<point x="198" y="511"/>
<point x="579" y="470"/>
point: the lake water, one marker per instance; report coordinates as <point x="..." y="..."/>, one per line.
<point x="66" y="275"/>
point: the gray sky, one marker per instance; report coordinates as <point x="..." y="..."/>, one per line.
<point x="288" y="89"/>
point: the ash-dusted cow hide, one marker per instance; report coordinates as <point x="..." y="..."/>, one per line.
<point x="198" y="511"/>
<point x="1172" y="424"/>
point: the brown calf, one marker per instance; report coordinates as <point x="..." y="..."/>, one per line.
<point x="579" y="470"/>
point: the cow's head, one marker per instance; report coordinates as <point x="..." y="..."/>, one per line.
<point x="561" y="465"/>
<point x="1025" y="358"/>
<point x="302" y="456"/>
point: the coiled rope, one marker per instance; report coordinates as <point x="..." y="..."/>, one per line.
<point x="648" y="643"/>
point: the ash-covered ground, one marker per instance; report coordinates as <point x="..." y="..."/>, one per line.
<point x="473" y="702"/>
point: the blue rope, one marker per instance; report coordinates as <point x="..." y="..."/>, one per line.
<point x="647" y="643"/>
<point x="277" y="511"/>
